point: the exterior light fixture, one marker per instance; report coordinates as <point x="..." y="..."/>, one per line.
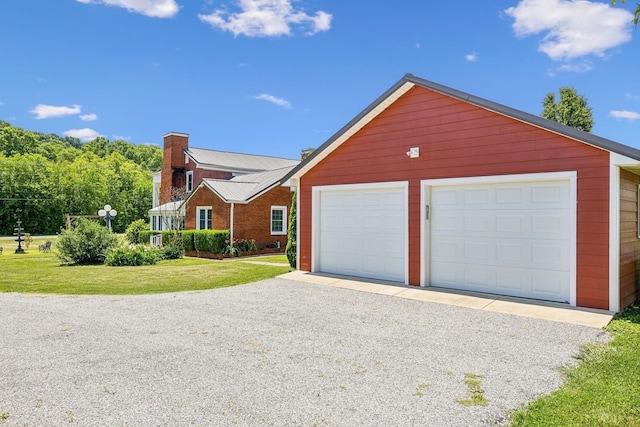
<point x="413" y="152"/>
<point x="107" y="214"/>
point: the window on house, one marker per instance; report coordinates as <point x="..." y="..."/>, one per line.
<point x="204" y="216"/>
<point x="189" y="184"/>
<point x="278" y="220"/>
<point x="154" y="222"/>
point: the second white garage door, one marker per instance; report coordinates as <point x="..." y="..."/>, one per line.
<point x="511" y="238"/>
<point x="361" y="231"/>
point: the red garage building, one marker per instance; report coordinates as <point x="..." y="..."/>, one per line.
<point x="430" y="186"/>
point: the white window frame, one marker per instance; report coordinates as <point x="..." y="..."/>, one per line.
<point x="200" y="209"/>
<point x="284" y="220"/>
<point x="189" y="181"/>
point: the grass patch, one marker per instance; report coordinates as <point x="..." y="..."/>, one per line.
<point x="603" y="390"/>
<point x="275" y="259"/>
<point x="476" y="393"/>
<point x="38" y="272"/>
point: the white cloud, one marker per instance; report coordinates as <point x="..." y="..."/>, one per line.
<point x="626" y="95"/>
<point x="88" y="117"/>
<point x="84" y="134"/>
<point x="267" y="18"/>
<point x="582" y="67"/>
<point x="471" y="57"/>
<point x="274" y="100"/>
<point x="121" y="138"/>
<point x="151" y="8"/>
<point x="572" y="28"/>
<point x="624" y="114"/>
<point x="43" y="111"/>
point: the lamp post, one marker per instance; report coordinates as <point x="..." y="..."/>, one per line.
<point x="107" y="214"/>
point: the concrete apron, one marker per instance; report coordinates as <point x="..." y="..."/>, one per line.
<point x="518" y="306"/>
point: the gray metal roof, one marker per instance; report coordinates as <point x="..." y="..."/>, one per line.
<point x="242" y="189"/>
<point x="166" y="209"/>
<point x="236" y="162"/>
<point x="410" y="80"/>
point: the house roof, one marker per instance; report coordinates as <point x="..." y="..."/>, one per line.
<point x="244" y="188"/>
<point x="236" y="162"/>
<point x="166" y="209"/>
<point x="409" y="81"/>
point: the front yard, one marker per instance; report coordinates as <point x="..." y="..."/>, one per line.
<point x="41" y="272"/>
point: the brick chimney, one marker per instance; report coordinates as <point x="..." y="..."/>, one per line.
<point x="173" y="164"/>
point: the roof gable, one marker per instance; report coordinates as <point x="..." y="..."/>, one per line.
<point x="409" y="81"/>
<point x="244" y="188"/>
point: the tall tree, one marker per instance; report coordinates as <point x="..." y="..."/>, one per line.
<point x="571" y="110"/>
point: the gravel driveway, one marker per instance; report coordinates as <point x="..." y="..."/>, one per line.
<point x="276" y="352"/>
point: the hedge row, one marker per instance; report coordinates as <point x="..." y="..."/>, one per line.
<point x="215" y="241"/>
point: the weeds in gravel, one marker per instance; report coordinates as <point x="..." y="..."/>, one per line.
<point x="4" y="415"/>
<point x="476" y="398"/>
<point x="420" y="389"/>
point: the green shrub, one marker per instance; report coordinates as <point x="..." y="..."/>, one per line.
<point x="187" y="240"/>
<point x="133" y="231"/>
<point x="210" y="240"/>
<point x="291" y="249"/>
<point x="87" y="243"/>
<point x="170" y="251"/>
<point x="171" y="244"/>
<point x="132" y="256"/>
<point x="244" y="245"/>
<point x="145" y="236"/>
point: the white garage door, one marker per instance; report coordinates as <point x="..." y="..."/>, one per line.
<point x="362" y="232"/>
<point x="506" y="238"/>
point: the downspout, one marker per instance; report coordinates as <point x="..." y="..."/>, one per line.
<point x="231" y="225"/>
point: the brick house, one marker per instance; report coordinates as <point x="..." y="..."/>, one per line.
<point x="222" y="190"/>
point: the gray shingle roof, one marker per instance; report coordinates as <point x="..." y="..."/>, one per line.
<point x="236" y="162"/>
<point x="242" y="189"/>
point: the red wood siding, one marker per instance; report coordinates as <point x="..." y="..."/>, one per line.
<point x="457" y="139"/>
<point x="629" y="242"/>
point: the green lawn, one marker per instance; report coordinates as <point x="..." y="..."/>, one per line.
<point x="603" y="390"/>
<point x="36" y="272"/>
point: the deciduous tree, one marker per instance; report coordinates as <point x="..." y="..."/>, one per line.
<point x="571" y="110"/>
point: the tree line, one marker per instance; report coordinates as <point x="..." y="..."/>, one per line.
<point x="45" y="177"/>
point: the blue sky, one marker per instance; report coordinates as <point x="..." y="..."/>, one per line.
<point x="275" y="76"/>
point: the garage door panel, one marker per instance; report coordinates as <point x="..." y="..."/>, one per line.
<point x="363" y="233"/>
<point x="547" y="285"/>
<point x="508" y="238"/>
